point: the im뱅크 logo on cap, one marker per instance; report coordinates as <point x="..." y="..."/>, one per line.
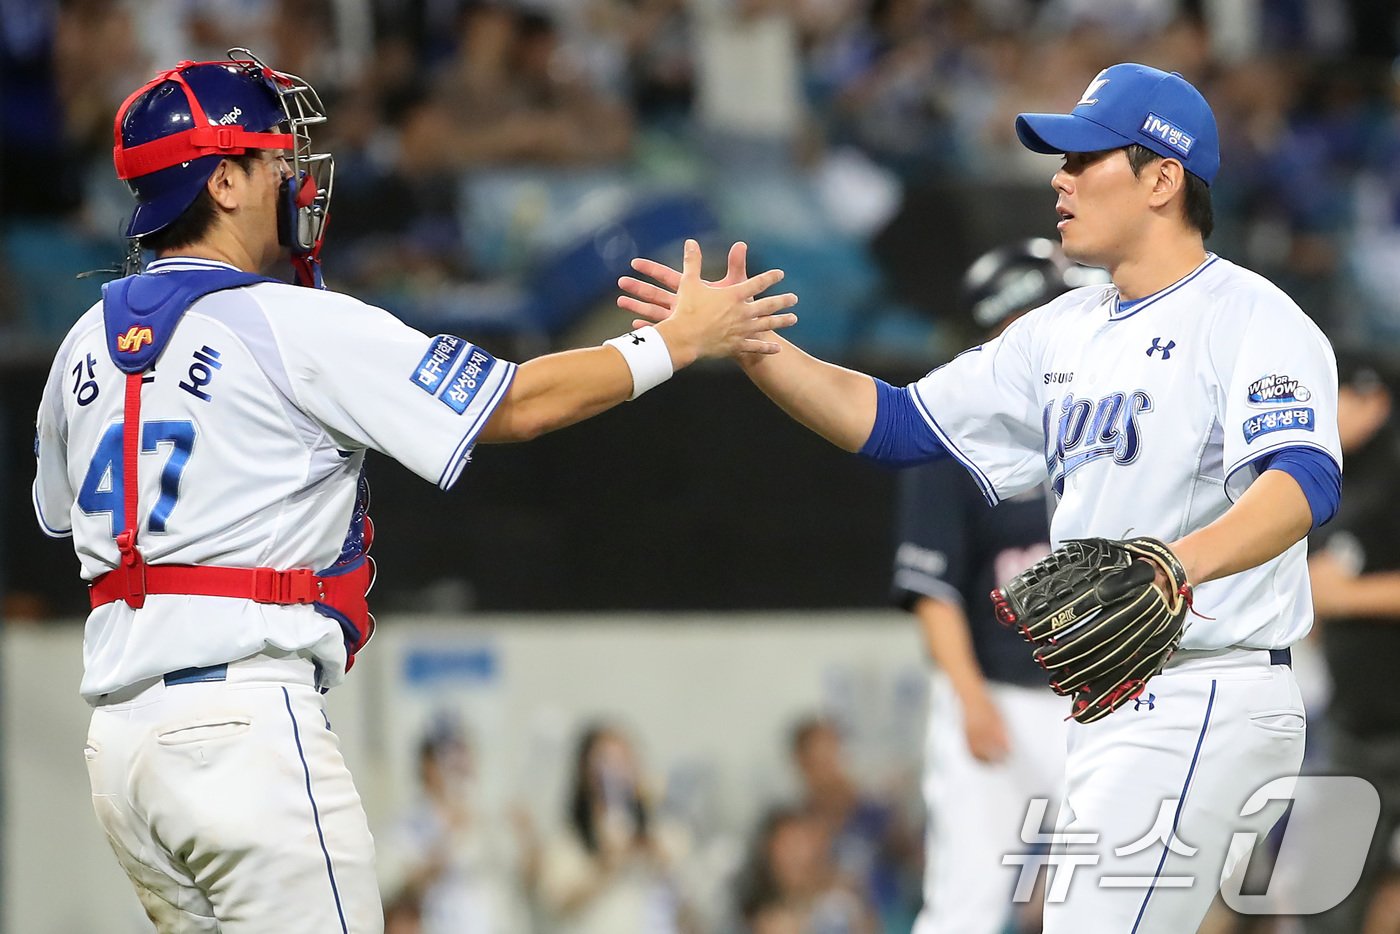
<point x="1169" y="133"/>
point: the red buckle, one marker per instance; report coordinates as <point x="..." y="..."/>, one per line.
<point x="285" y="587"/>
<point x="300" y="586"/>
<point x="132" y="568"/>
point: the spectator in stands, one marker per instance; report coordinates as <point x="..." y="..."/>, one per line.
<point x="446" y="860"/>
<point x="403" y="915"/>
<point x="790" y="884"/>
<point x="870" y="843"/>
<point x="611" y="869"/>
<point x="512" y="100"/>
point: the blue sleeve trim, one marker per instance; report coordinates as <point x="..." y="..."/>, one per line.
<point x="900" y="436"/>
<point x="49" y="530"/>
<point x="458" y="461"/>
<point x="1317" y="474"/>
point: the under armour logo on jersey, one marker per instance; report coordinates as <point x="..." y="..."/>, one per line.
<point x="637" y="338"/>
<point x="1088" y="97"/>
<point x="1150" y="700"/>
<point x="1157" y="345"/>
<point x="135" y="336"/>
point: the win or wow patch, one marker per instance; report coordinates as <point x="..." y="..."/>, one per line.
<point x="1277" y="389"/>
<point x="433" y="368"/>
<point x="1283" y="420"/>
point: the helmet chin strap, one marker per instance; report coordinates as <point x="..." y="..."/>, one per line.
<point x="298" y="196"/>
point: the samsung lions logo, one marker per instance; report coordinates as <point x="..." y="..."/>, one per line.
<point x="1081" y="430"/>
<point x="135" y="336"/>
<point x="1087" y="99"/>
<point x="1277" y="389"/>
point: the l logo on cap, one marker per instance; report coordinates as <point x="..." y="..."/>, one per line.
<point x="1090" y="91"/>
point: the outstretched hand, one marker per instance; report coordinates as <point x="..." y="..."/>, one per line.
<point x="654" y="303"/>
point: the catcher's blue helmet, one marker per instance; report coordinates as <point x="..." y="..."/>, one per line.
<point x="170" y="134"/>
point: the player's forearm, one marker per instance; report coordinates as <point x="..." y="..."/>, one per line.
<point x="949" y="643"/>
<point x="557" y="390"/>
<point x="1373" y="596"/>
<point x="1271" y="516"/>
<point x="837" y="403"/>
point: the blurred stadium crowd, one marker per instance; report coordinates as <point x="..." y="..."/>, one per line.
<point x="628" y="856"/>
<point x="501" y="161"/>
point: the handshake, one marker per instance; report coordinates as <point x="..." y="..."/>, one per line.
<point x="699" y="318"/>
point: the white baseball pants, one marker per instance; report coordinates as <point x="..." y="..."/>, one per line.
<point x="1160" y="785"/>
<point x="230" y="808"/>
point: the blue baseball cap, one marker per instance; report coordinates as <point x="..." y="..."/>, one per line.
<point x="1129" y="104"/>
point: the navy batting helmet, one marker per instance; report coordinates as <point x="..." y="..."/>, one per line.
<point x="1017" y="277"/>
<point x="170" y="134"/>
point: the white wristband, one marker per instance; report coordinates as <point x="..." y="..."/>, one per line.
<point x="647" y="357"/>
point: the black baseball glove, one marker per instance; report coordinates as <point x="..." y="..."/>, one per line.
<point x="1098" y="622"/>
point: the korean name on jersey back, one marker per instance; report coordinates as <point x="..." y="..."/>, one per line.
<point x="1078" y="431"/>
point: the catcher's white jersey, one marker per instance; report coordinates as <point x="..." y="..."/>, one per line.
<point x="255" y="423"/>
<point x="1148" y="419"/>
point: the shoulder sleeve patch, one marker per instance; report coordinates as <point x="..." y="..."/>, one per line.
<point x="436" y="363"/>
<point x="470" y="375"/>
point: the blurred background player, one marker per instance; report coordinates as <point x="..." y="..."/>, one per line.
<point x="1354" y="565"/>
<point x="996" y="737"/>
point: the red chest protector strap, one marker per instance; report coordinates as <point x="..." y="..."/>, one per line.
<point x="339" y="595"/>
